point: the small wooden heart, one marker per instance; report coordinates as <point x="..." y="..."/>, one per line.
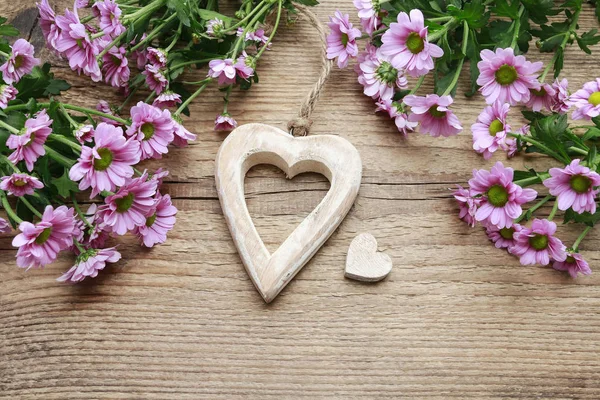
<point x="364" y="262"/>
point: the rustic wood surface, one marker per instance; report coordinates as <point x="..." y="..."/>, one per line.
<point x="455" y="319"/>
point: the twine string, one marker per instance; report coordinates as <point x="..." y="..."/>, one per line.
<point x="300" y="126"/>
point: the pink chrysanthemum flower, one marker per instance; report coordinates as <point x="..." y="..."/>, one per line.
<point x="225" y="122"/>
<point x="503" y="238"/>
<point x="224" y="70"/>
<point x="84" y="133"/>
<point x="341" y="41"/>
<point x="40" y="244"/>
<point x="406" y="44"/>
<point x="587" y="101"/>
<point x="104" y="107"/>
<point x="96" y="236"/>
<point x="76" y="44"/>
<point x="258" y="37"/>
<point x="153" y="128"/>
<point x="7" y="93"/>
<point x="109" y="14"/>
<point x="574" y="264"/>
<point x="215" y="27"/>
<point x="115" y="67"/>
<point x="561" y="99"/>
<point x="574" y="187"/>
<point x="89" y="263"/>
<point x="467" y="205"/>
<point x="542" y="98"/>
<point x="20" y="184"/>
<point x="131" y="205"/>
<point x="537" y="245"/>
<point x="433" y="114"/>
<point x="50" y="30"/>
<point x="182" y="136"/>
<point x="511" y="146"/>
<point x="157" y="57"/>
<point x="380" y="78"/>
<point x="167" y="99"/>
<point x="507" y="78"/>
<point x="161" y="221"/>
<point x="109" y="163"/>
<point x="501" y="198"/>
<point x="369" y="53"/>
<point x="159" y="175"/>
<point x="403" y="124"/>
<point x="4" y="226"/>
<point x="490" y="130"/>
<point x="20" y="62"/>
<point x="388" y="106"/>
<point x="29" y="145"/>
<point x="368" y="12"/>
<point x="155" y="78"/>
<point x="244" y="66"/>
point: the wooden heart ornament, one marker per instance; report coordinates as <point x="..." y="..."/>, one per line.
<point x="364" y="262"/>
<point x="254" y="144"/>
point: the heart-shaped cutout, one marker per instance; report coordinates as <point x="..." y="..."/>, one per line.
<point x="364" y="262"/>
<point x="254" y="144"/>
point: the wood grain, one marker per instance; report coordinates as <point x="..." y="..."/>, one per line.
<point x="457" y="319"/>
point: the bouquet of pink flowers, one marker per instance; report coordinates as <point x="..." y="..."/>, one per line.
<point x="407" y="39"/>
<point x="139" y="44"/>
<point x="52" y="152"/>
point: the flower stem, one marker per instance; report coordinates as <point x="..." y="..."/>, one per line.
<point x="64" y="140"/>
<point x="111" y="45"/>
<point x="82" y="110"/>
<point x="31" y="207"/>
<point x="183" y="64"/>
<point x="452" y="84"/>
<point x="152" y="34"/>
<point x="9" y="163"/>
<point x="73" y="123"/>
<point x="264" y="47"/>
<point x="8" y="127"/>
<point x="572" y="28"/>
<point x="417" y="85"/>
<point x="554" y="210"/>
<point x="580" y="238"/>
<point x="435" y="36"/>
<point x="578" y="150"/>
<point x="192" y="97"/>
<point x="9" y="211"/>
<point x="517" y="27"/>
<point x="532" y="180"/>
<point x="539" y="145"/>
<point x="80" y="213"/>
<point x="534" y="208"/>
<point x="240" y="22"/>
<point x="3" y="54"/>
<point x="56" y="156"/>
<point x="175" y="38"/>
<point x="250" y="25"/>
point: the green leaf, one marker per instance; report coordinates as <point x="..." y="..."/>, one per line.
<point x="548" y="131"/>
<point x="8" y="30"/>
<point x="182" y="9"/>
<point x="473" y="12"/>
<point x="501" y="33"/>
<point x="64" y="185"/>
<point x="588" y="39"/>
<point x="504" y="8"/>
<point x="539" y="10"/>
<point x="591" y="133"/>
<point x="208" y="14"/>
<point x="584" y="218"/>
<point x="55" y="86"/>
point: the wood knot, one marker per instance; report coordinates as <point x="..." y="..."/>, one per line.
<point x="299" y="126"/>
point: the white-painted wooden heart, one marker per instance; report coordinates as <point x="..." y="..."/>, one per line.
<point x="364" y="262"/>
<point x="254" y="144"/>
